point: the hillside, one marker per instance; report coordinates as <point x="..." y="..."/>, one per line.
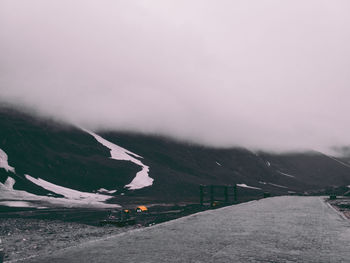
<point x="62" y="162"/>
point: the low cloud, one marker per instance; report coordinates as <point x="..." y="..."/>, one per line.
<point x="270" y="75"/>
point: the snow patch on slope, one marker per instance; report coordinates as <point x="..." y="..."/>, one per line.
<point x="9" y="183"/>
<point x="4" y="162"/>
<point x="103" y="190"/>
<point x="218" y="163"/>
<point x="19" y="198"/>
<point x="67" y="192"/>
<point x="17" y="204"/>
<point x="142" y="178"/>
<point x="247" y="186"/>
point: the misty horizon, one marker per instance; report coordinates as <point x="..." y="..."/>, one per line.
<point x="264" y="75"/>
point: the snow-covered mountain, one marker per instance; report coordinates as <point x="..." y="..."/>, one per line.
<point x="44" y="163"/>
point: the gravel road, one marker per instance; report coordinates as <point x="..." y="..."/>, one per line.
<point x="280" y="229"/>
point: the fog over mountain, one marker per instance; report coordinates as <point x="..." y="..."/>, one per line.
<point x="264" y="74"/>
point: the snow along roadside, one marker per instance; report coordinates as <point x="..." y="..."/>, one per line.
<point x="142" y="178"/>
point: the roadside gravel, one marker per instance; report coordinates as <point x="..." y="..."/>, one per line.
<point x="342" y="204"/>
<point x="22" y="238"/>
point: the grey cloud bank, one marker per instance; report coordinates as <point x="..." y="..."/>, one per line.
<point x="270" y="75"/>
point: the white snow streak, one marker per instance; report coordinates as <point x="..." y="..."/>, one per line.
<point x="103" y="190"/>
<point x="218" y="164"/>
<point x="277" y="185"/>
<point x="16" y="204"/>
<point x="247" y="186"/>
<point x="142" y="178"/>
<point x="345" y="164"/>
<point x="268" y="163"/>
<point x="4" y="162"/>
<point x="289" y="175"/>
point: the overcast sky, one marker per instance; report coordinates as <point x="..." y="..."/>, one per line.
<point x="266" y="74"/>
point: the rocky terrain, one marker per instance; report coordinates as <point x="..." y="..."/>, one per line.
<point x="342" y="204"/>
<point x="23" y="238"/>
<point x="26" y="233"/>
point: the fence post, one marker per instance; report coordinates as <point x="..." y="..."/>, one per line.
<point x="201" y="194"/>
<point x="211" y="195"/>
<point x="226" y="194"/>
<point x="235" y="192"/>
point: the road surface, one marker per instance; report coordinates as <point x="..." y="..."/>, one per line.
<point x="280" y="229"/>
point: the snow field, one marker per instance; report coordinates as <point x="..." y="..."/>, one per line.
<point x="142" y="178"/>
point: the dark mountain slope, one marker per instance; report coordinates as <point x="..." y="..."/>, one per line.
<point x="312" y="168"/>
<point x="67" y="156"/>
<point x="189" y="165"/>
<point x="59" y="153"/>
